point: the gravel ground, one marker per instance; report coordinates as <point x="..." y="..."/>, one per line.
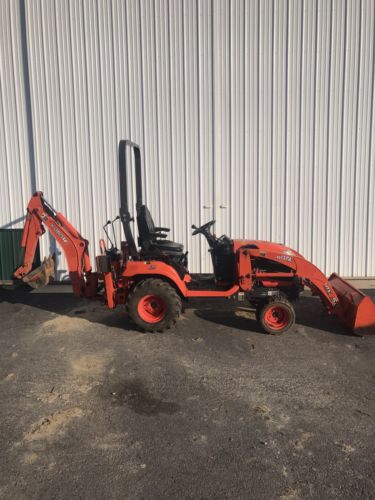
<point x="90" y="408"/>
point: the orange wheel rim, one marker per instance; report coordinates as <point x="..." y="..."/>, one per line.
<point x="152" y="309"/>
<point x="276" y="317"/>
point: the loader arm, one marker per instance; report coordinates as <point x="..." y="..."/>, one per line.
<point x="354" y="309"/>
<point x="41" y="215"/>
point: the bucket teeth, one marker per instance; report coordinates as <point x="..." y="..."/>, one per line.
<point x="40" y="277"/>
<point x="355" y="309"/>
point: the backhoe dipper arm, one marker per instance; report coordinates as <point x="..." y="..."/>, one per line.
<point x="74" y="246"/>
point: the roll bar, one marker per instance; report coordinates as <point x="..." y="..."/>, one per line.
<point x="125" y="216"/>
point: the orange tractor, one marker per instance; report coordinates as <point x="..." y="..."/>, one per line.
<point x="152" y="279"/>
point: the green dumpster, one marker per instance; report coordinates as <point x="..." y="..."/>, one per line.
<point x="10" y="254"/>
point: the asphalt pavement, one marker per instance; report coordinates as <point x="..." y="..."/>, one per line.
<point x="91" y="408"/>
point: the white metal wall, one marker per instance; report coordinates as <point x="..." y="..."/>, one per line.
<point x="259" y="113"/>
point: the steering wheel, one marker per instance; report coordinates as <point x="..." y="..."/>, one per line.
<point x="203" y="228"/>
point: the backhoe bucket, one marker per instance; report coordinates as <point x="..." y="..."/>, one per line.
<point x="355" y="309"/>
<point x="41" y="275"/>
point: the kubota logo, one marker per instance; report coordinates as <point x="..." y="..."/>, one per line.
<point x="329" y="291"/>
<point x="59" y="233"/>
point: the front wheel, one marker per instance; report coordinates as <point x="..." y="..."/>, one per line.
<point x="153" y="305"/>
<point x="277" y="316"/>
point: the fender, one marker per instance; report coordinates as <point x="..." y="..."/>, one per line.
<point x="135" y="268"/>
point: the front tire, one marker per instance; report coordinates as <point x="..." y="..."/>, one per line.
<point x="277" y="316"/>
<point x="153" y="305"/>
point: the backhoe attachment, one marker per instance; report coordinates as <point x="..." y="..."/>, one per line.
<point x="41" y="215"/>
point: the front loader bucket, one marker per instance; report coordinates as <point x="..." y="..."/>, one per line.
<point x="355" y="309"/>
<point x="41" y="275"/>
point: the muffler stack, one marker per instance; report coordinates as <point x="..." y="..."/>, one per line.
<point x="355" y="309"/>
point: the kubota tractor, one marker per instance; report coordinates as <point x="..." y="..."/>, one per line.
<point x="152" y="279"/>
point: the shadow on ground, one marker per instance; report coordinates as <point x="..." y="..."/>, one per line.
<point x="310" y="312"/>
<point x="61" y="301"/>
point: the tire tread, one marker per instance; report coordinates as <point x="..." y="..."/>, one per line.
<point x="281" y="300"/>
<point x="144" y="287"/>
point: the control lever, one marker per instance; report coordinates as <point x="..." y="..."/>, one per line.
<point x="106" y="232"/>
<point x="113" y="229"/>
<point x="110" y="222"/>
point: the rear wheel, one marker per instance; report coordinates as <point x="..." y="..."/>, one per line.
<point x="277" y="316"/>
<point x="153" y="305"/>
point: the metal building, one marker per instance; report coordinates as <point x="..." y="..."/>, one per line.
<point x="258" y="113"/>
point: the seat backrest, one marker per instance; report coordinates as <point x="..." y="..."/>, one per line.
<point x="146" y="226"/>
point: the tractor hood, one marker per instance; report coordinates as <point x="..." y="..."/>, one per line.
<point x="265" y="246"/>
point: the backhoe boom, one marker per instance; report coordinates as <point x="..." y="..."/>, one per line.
<point x="40" y="215"/>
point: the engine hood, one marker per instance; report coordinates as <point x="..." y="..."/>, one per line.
<point x="265" y="246"/>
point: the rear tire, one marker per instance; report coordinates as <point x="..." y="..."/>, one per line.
<point x="277" y="316"/>
<point x="153" y="305"/>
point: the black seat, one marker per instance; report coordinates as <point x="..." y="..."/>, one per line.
<point x="152" y="238"/>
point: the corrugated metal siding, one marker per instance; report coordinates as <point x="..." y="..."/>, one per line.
<point x="259" y="113"/>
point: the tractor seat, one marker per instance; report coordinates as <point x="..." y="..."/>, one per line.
<point x="152" y="239"/>
<point x="167" y="245"/>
